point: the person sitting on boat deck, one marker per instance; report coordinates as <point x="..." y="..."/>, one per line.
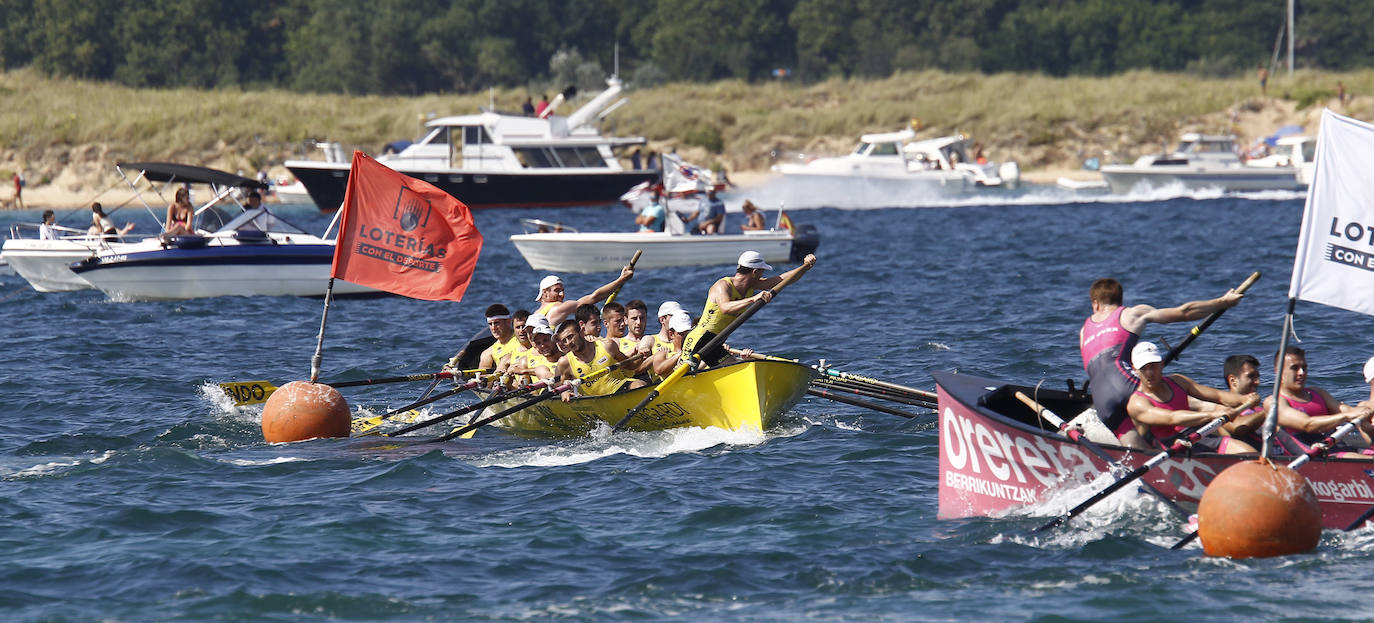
<point x="654" y="216"/>
<point x="582" y="357"/>
<point x="102" y="225"/>
<point x="1108" y="335"/>
<point x="179" y="215"/>
<point x="552" y="298"/>
<point x="1165" y="405"/>
<point x="712" y="212"/>
<point x="729" y="297"/>
<point x="1315" y="412"/>
<point x="753" y="218"/>
<point x="664" y="360"/>
<point x="48" y="229"/>
<point x="636" y="322"/>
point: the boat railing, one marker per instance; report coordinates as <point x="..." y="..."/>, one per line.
<point x="537" y="226"/>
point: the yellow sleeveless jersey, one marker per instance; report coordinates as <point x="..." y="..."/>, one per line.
<point x="501" y="349"/>
<point x="713" y="320"/>
<point x="627" y="345"/>
<point x="605" y="384"/>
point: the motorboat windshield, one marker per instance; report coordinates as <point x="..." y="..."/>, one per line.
<point x="262" y="220"/>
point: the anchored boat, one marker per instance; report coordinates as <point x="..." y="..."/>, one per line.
<point x="1200" y="162"/>
<point x="749" y="395"/>
<point x="997" y="456"/>
<point x="554" y="247"/>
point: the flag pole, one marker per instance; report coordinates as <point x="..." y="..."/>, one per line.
<point x="319" y="340"/>
<point x="1271" y="419"/>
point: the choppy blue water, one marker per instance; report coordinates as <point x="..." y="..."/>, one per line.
<point x="129" y="493"/>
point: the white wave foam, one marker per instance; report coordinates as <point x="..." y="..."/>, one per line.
<point x="259" y="462"/>
<point x="52" y="467"/>
<point x="602" y="444"/>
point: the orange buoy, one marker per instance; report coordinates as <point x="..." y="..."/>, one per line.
<point x="1257" y="509"/>
<point x="301" y="410"/>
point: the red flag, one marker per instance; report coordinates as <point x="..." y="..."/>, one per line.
<point x="404" y="236"/>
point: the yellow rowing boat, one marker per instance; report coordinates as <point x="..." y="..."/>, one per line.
<point x="749" y="395"/>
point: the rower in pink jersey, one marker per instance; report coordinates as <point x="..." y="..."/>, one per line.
<point x="1164" y="406"/>
<point x="1315" y="411"/>
<point x="1108" y="336"/>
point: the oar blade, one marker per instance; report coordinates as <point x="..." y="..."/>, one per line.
<point x="248" y="392"/>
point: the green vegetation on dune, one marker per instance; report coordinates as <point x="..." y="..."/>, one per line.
<point x="49" y="123"/>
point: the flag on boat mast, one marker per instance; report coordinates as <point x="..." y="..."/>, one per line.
<point x="404" y="235"/>
<point x="1334" y="262"/>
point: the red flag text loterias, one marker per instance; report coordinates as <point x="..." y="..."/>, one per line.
<point x="404" y="236"/>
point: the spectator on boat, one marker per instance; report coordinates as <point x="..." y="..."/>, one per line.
<point x="730" y="296"/>
<point x="48" y="229"/>
<point x="1108" y="335"/>
<point x="1164" y="405"/>
<point x="180" y="215"/>
<point x="653" y="217"/>
<point x="636" y="162"/>
<point x="753" y="218"/>
<point x="583" y="357"/>
<point x="554" y="306"/>
<point x="652" y="162"/>
<point x="543" y="103"/>
<point x="978" y="154"/>
<point x="527" y="107"/>
<point x="1315" y="412"/>
<point x="712" y="213"/>
<point x="102" y="225"/>
<point x="253" y="200"/>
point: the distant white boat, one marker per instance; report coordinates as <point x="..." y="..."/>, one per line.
<point x="942" y="164"/>
<point x="563" y="249"/>
<point x="1299" y="152"/>
<point x="1200" y="162"/>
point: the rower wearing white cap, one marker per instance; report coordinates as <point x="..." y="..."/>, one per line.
<point x="679" y="325"/>
<point x="554" y="305"/>
<point x="542" y="362"/>
<point x="730" y="296"/>
<point x="1369" y="379"/>
<point x="1165" y="405"/>
<point x="659" y="341"/>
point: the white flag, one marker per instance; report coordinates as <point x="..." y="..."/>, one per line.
<point x="1334" y="263"/>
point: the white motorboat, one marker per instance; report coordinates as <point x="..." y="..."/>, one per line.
<point x="1299" y="152"/>
<point x="46" y="264"/>
<point x="555" y="247"/>
<point x="255" y="254"/>
<point x="495" y="159"/>
<point x="1201" y="162"/>
<point x="942" y="164"/>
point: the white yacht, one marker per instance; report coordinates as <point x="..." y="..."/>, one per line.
<point x="1299" y="152"/>
<point x="945" y="164"/>
<point x="494" y="159"/>
<point x="1200" y="162"/>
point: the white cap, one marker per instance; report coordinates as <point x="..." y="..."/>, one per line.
<point x="753" y="259"/>
<point x="537" y="323"/>
<point x="1145" y="353"/>
<point x="681" y="321"/>
<point x="667" y="308"/>
<point x="546" y="283"/>
<point x="1369" y="370"/>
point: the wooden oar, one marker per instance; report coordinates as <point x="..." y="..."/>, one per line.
<point x="867" y="393"/>
<point x="363" y="426"/>
<point x="884" y="384"/>
<point x="1079" y="438"/>
<point x="1136" y="473"/>
<point x="826" y="394"/>
<point x="633" y="259"/>
<point x="1318" y="449"/>
<point x="876" y="391"/>
<point x="476" y="406"/>
<point x="1196" y="331"/>
<point x="257" y="392"/>
<point x="690" y="361"/>
<point x="552" y="393"/>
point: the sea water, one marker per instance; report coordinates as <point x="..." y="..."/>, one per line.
<point x="131" y="491"/>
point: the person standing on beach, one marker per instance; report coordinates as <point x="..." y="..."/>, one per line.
<point x="1109" y="334"/>
<point x="18" y="191"/>
<point x="1264" y="80"/>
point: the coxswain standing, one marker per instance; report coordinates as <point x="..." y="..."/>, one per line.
<point x="554" y="306"/>
<point x="583" y="357"/>
<point x="729" y="297"/>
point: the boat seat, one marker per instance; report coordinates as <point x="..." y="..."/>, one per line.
<point x="253" y="236"/>
<point x="187" y="242"/>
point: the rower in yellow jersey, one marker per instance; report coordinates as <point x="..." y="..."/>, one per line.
<point x="499" y="323"/>
<point x="679" y="325"/>
<point x="584" y="357"/>
<point x="515" y="360"/>
<point x="659" y="341"/>
<point x="554" y="306"/>
<point x="617" y="329"/>
<point x="542" y="362"/>
<point x="730" y="296"/>
<point x="636" y="322"/>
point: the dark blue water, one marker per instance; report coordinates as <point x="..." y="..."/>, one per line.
<point x="128" y="493"/>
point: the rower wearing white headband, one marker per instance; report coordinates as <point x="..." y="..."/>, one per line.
<point x="501" y="327"/>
